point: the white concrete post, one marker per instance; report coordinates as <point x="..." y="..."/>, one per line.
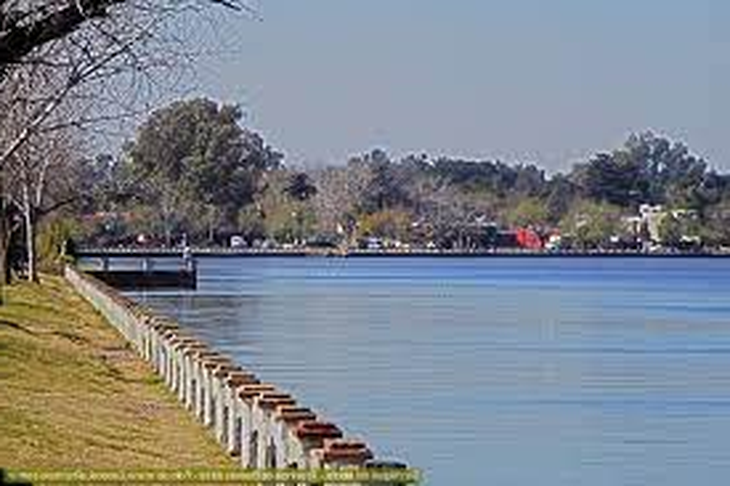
<point x="199" y="390"/>
<point x="339" y="453"/>
<point x="165" y="364"/>
<point x="287" y="418"/>
<point x="156" y="352"/>
<point x="171" y="369"/>
<point x="209" y="402"/>
<point x="221" y="393"/>
<point x="177" y="348"/>
<point x="182" y="352"/>
<point x="311" y="437"/>
<point x="263" y="422"/>
<point x="249" y="439"/>
<point x="191" y="359"/>
<point x="206" y="367"/>
<point x="146" y="339"/>
<point x="233" y="435"/>
<point x="167" y="371"/>
<point x="178" y="373"/>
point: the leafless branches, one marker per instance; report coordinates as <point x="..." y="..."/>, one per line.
<point x="104" y="58"/>
<point x="69" y="66"/>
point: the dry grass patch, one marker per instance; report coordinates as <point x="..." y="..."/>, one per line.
<point x="74" y="394"/>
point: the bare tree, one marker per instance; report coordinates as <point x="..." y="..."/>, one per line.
<point x="340" y="189"/>
<point x="118" y="58"/>
<point x="39" y="171"/>
<point x="26" y="25"/>
<point x="67" y="65"/>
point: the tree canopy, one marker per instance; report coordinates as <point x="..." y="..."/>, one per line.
<point x="198" y="166"/>
<point x="193" y="155"/>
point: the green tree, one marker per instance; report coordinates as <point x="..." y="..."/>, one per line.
<point x="647" y="169"/>
<point x="716" y="227"/>
<point x="300" y="187"/>
<point x="528" y="212"/>
<point x="392" y="224"/>
<point x="592" y="224"/>
<point x="670" y="231"/>
<point x="194" y="153"/>
<point x="252" y="224"/>
<point x="387" y="187"/>
<point x="559" y="196"/>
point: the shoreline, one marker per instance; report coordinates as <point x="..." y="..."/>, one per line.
<point x="415" y="253"/>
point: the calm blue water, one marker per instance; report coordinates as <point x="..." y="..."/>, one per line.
<point x="492" y="371"/>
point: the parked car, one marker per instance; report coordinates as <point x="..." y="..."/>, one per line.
<point x="238" y="241"/>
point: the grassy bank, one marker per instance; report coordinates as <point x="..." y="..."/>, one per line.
<point x="74" y="394"/>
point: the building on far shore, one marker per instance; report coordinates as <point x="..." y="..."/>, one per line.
<point x="646" y="225"/>
<point x="651" y="219"/>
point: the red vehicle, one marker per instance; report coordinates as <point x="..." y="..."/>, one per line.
<point x="529" y="239"/>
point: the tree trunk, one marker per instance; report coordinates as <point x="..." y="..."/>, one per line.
<point x="166" y="223"/>
<point x="29" y="220"/>
<point x="212" y="217"/>
<point x="4" y="244"/>
<point x="168" y="235"/>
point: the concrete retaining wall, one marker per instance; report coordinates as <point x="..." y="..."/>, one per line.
<point x="255" y="422"/>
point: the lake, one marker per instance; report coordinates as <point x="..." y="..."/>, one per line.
<point x="505" y="371"/>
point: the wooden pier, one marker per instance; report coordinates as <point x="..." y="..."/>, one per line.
<point x="146" y="277"/>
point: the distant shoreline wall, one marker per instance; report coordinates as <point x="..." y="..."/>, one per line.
<point x="107" y="253"/>
<point x="256" y="422"/>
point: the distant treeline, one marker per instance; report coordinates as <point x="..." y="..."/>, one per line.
<point x="193" y="173"/>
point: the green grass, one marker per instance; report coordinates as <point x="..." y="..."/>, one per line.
<point x="74" y="394"/>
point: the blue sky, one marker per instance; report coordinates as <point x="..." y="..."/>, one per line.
<point x="520" y="80"/>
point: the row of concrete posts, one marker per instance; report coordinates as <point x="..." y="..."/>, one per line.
<point x="254" y="421"/>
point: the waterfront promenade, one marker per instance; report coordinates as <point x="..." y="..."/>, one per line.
<point x="261" y="425"/>
<point x="198" y="252"/>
